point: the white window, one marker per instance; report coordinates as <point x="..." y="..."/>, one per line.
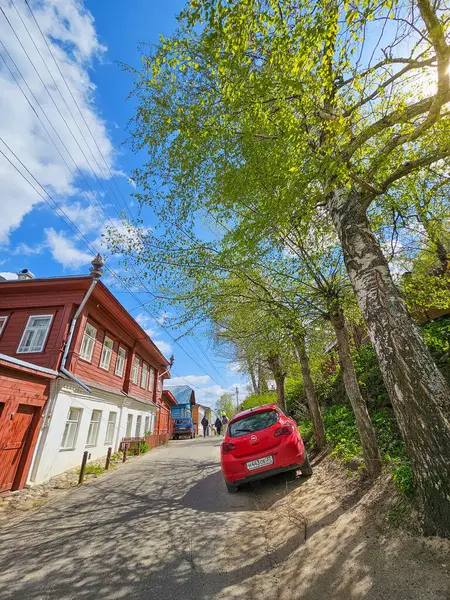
<point x="135" y="372"/>
<point x="129" y="425"/>
<point x="144" y="375"/>
<point x="120" y="362"/>
<point x="94" y="426"/>
<point x="71" y="429"/>
<point x="35" y="334"/>
<point x="138" y="426"/>
<point x="107" y="349"/>
<point x="147" y="425"/>
<point x="160" y="384"/>
<point x="110" y="428"/>
<point x="151" y="380"/>
<point x="2" y="323"/>
<point x="88" y="343"/>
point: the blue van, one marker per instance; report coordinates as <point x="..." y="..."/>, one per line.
<point x="183" y="424"/>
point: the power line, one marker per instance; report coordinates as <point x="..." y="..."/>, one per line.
<point x="88" y="244"/>
<point x="65" y="147"/>
<point x="125" y="204"/>
<point x="58" y="110"/>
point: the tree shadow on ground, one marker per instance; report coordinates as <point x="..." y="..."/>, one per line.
<point x="135" y="536"/>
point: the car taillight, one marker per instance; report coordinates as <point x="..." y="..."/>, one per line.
<point x="227" y="447"/>
<point x="285" y="430"/>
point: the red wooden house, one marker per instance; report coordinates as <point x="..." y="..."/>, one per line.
<point x="76" y="363"/>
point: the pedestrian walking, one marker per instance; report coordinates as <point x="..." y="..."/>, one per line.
<point x="205" y="424"/>
<point x="224" y="422"/>
<point x="218" y="425"/>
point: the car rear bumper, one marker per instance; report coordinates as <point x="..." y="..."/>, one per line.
<point x="264" y="474"/>
<point x="288" y="456"/>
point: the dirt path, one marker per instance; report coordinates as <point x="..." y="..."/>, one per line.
<point x="165" y="528"/>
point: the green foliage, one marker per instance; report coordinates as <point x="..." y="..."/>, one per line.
<point x="369" y="377"/>
<point x="116" y="456"/>
<point x="225" y="405"/>
<point x="307" y="432"/>
<point x="258" y="400"/>
<point x="342" y="436"/>
<point x="404" y="478"/>
<point x="93" y="469"/>
<point x="144" y="448"/>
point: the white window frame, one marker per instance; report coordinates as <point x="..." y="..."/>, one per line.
<point x="76" y="428"/>
<point x="111" y="427"/>
<point x="151" y="380"/>
<point x="160" y="383"/>
<point x="135" y="370"/>
<point x="138" y="426"/>
<point x="94" y="428"/>
<point x="120" y="361"/>
<point x="129" y="429"/>
<point x="88" y="357"/>
<point x="144" y="375"/>
<point x="106" y="355"/>
<point x="147" y="425"/>
<point x="28" y="327"/>
<point x="3" y="321"/>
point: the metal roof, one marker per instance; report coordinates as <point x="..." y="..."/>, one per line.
<point x="183" y="394"/>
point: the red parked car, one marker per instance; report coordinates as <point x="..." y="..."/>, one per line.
<point x="259" y="443"/>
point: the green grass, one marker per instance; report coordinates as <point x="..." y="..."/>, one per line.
<point x="343" y="438"/>
<point x="93" y="469"/>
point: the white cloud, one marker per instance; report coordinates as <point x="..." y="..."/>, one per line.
<point x="64" y="251"/>
<point x="233" y="367"/>
<point x="70" y="32"/>
<point x="164" y="347"/>
<point x="26" y="250"/>
<point x="148" y="323"/>
<point x="195" y="380"/>
<point x="205" y="393"/>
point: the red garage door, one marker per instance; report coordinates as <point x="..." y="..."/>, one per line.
<point x="14" y="433"/>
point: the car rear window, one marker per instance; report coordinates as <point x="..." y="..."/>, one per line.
<point x="182" y="421"/>
<point x="252" y="423"/>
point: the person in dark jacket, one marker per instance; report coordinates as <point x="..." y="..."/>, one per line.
<point x="205" y="424"/>
<point x="218" y="425"/>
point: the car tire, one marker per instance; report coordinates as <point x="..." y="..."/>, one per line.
<point x="192" y="436"/>
<point x="231" y="489"/>
<point x="306" y="468"/>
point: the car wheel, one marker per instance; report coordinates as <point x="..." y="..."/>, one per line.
<point x="232" y="489"/>
<point x="192" y="436"/>
<point x="306" y="468"/>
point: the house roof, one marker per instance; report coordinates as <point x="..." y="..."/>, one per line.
<point x="167" y="395"/>
<point x="27" y="367"/>
<point x="101" y="292"/>
<point x="183" y="394"/>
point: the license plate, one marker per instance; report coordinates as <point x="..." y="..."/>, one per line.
<point x="260" y="462"/>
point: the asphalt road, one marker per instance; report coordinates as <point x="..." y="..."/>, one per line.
<point x="162" y="528"/>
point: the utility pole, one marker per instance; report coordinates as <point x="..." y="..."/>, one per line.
<point x="237" y="397"/>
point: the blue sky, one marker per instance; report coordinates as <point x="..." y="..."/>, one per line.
<point x="62" y="127"/>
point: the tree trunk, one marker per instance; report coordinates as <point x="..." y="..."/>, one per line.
<point x="281" y="398"/>
<point x="366" y="431"/>
<point x="279" y="375"/>
<point x="311" y="396"/>
<point x="262" y="383"/>
<point x="251" y="371"/>
<point x="419" y="394"/>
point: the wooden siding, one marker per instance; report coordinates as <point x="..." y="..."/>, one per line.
<point x="20" y="393"/>
<point x="20" y="300"/>
<point x="16" y="324"/>
<point x="106" y="324"/>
